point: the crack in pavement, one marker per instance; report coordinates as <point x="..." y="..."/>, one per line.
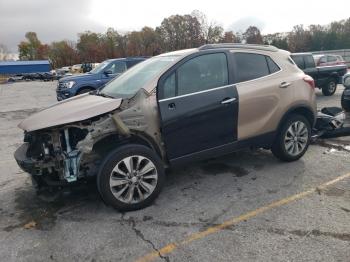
<point x="313" y="232"/>
<point x="131" y="221"/>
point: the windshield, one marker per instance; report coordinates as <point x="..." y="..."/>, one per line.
<point x="99" y="68"/>
<point x="135" y="78"/>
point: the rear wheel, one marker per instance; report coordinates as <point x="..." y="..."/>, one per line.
<point x="330" y="88"/>
<point x="293" y="139"/>
<point x="131" y="177"/>
<point x="345" y="100"/>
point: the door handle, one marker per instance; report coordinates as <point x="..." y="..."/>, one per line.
<point x="229" y="100"/>
<point x="285" y="84"/>
<point x="171" y="106"/>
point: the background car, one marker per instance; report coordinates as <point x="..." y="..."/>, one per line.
<point x="326" y="78"/>
<point x="76" y="68"/>
<point x="329" y="60"/>
<point x="96" y="78"/>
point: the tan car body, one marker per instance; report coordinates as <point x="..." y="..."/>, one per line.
<point x="262" y="106"/>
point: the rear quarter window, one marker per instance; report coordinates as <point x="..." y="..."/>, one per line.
<point x="250" y="66"/>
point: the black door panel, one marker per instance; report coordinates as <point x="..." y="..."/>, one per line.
<point x="199" y="121"/>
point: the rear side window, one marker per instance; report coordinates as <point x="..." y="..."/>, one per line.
<point x="298" y="59"/>
<point x="251" y="66"/>
<point x="331" y="58"/>
<point x="309" y="61"/>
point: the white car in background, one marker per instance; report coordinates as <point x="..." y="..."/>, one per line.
<point x="76" y="68"/>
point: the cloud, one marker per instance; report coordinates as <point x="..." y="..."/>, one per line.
<point x="51" y="20"/>
<point x="243" y="23"/>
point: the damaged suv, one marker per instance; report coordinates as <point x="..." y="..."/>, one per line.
<point x="174" y="108"/>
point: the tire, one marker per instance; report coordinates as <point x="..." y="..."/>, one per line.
<point x="114" y="169"/>
<point x="84" y="90"/>
<point x="285" y="147"/>
<point x="345" y="101"/>
<point x="330" y="88"/>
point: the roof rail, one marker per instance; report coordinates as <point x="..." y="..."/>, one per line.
<point x="243" y="46"/>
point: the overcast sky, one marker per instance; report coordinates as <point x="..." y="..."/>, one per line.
<point x="63" y="19"/>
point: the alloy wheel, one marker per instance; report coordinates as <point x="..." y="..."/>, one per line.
<point x="133" y="179"/>
<point x="296" y="138"/>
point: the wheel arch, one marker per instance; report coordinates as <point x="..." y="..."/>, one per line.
<point x="334" y="75"/>
<point x="111" y="141"/>
<point x="303" y="110"/>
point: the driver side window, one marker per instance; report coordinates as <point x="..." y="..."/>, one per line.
<point x="118" y="67"/>
<point x="198" y="74"/>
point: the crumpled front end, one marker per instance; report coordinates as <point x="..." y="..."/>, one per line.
<point x="67" y="153"/>
<point x="60" y="156"/>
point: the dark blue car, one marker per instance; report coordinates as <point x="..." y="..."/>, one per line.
<point x="96" y="78"/>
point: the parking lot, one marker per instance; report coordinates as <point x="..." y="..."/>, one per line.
<point x="247" y="206"/>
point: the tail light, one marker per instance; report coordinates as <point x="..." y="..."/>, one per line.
<point x="308" y="79"/>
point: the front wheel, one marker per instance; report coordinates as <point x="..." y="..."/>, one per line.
<point x="293" y="139"/>
<point x="330" y="88"/>
<point x="131" y="177"/>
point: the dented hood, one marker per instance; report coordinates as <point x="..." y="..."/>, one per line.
<point x="71" y="110"/>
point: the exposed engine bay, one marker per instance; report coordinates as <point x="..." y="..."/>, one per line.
<point x="62" y="155"/>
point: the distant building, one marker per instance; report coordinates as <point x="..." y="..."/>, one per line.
<point x="20" y="67"/>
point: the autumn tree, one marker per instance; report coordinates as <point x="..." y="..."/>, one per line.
<point x="211" y="31"/>
<point x="90" y="47"/>
<point x="252" y="35"/>
<point x="32" y="49"/>
<point x="180" y="32"/>
<point x="299" y="40"/>
<point x="63" y="53"/>
<point x="110" y="43"/>
<point x="230" y="37"/>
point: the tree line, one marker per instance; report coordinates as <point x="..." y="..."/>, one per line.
<point x="178" y="32"/>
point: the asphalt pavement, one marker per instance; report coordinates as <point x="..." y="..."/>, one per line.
<point x="247" y="206"/>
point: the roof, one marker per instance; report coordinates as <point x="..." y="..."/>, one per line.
<point x="305" y="53"/>
<point x="179" y="52"/>
<point x="33" y="62"/>
<point x="240" y="46"/>
<point x="128" y="58"/>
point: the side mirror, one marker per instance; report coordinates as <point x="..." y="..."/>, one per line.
<point x="108" y="72"/>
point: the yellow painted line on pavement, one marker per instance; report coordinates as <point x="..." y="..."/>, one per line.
<point x="211" y="230"/>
